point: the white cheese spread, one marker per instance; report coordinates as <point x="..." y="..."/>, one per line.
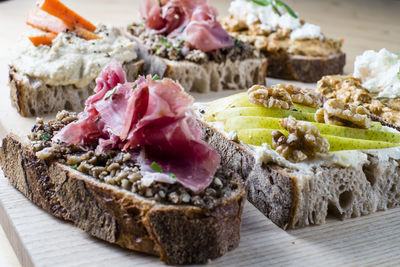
<point x="379" y="72"/>
<point x="307" y="31"/>
<point x="70" y="59"/>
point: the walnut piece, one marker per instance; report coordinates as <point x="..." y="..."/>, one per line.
<point x="273" y="97"/>
<point x="336" y="112"/>
<point x="302" y="96"/>
<point x="303" y="142"/>
<point x="283" y="96"/>
<point x="346" y="88"/>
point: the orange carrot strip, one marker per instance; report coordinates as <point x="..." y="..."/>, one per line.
<point x="85" y="34"/>
<point x="59" y="10"/>
<point x="41" y="20"/>
<point x="44" y="39"/>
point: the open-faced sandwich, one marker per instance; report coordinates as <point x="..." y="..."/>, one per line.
<point x="131" y="169"/>
<point x="296" y="50"/>
<point x="375" y="84"/>
<point x="303" y="159"/>
<point x="182" y="40"/>
<point x="55" y="66"/>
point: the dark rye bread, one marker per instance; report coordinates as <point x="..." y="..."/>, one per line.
<point x="293" y="199"/>
<point x="179" y="234"/>
<point x="205" y="77"/>
<point x="306" y="69"/>
<point x="33" y="97"/>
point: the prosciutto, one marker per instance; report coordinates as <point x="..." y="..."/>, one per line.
<point x="150" y="117"/>
<point x="193" y="21"/>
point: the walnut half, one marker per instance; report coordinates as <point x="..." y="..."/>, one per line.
<point x="336" y="112"/>
<point x="304" y="140"/>
<point x="274" y="97"/>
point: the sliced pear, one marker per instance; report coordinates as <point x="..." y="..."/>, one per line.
<point x="253" y="122"/>
<point x="257" y="137"/>
<point x="337" y="143"/>
<point x="304" y="108"/>
<point x="262" y="112"/>
<point x="221" y="104"/>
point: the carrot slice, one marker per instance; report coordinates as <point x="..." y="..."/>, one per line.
<point x="85" y="34"/>
<point x="43" y="21"/>
<point x="59" y="10"/>
<point x="44" y="39"/>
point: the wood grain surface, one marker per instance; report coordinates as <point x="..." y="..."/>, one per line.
<point x="41" y="240"/>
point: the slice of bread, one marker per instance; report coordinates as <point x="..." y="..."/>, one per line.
<point x="33" y="97"/>
<point x="306" y="69"/>
<point x="179" y="234"/>
<point x="205" y="77"/>
<point x="292" y="199"/>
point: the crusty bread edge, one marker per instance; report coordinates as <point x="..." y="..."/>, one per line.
<point x="118" y="216"/>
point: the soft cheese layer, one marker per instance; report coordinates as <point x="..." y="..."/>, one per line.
<point x="72" y="60"/>
<point x="379" y="72"/>
<point x="270" y="20"/>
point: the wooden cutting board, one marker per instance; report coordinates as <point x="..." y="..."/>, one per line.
<point x="42" y="240"/>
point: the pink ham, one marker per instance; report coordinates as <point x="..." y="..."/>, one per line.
<point x="191" y="20"/>
<point x="152" y="116"/>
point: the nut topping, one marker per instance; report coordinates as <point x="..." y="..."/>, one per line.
<point x="304" y="140"/>
<point x="302" y="96"/>
<point x="337" y="112"/>
<point x="274" y="97"/>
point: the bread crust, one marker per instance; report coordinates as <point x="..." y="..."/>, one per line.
<point x="294" y="199"/>
<point x="204" y="77"/>
<point x="306" y="69"/>
<point x="179" y="234"/>
<point x="32" y="97"/>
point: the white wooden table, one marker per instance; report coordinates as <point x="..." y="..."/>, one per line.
<point x="375" y="239"/>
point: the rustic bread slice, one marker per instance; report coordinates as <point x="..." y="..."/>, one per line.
<point x="292" y="199"/>
<point x="205" y="77"/>
<point x="179" y="234"/>
<point x="32" y="97"/>
<point x="304" y="68"/>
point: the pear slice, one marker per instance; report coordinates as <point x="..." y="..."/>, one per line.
<point x="220" y="105"/>
<point x="262" y="112"/>
<point x="304" y="108"/>
<point x="253" y="122"/>
<point x="257" y="137"/>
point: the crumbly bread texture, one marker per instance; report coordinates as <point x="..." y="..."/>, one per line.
<point x="292" y="199"/>
<point x="304" y="68"/>
<point x="32" y="97"/>
<point x="205" y="77"/>
<point x="179" y="234"/>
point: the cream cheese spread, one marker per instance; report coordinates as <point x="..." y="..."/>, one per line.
<point x="270" y="20"/>
<point x="379" y="72"/>
<point x="70" y="59"/>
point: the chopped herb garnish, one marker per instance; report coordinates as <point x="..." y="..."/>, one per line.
<point x="111" y="92"/>
<point x="156" y="167"/>
<point x="398" y="74"/>
<point x="275" y="4"/>
<point x="46" y="136"/>
<point x="155" y="77"/>
<point x="179" y="43"/>
<point x="173" y="176"/>
<point x="168" y="45"/>
<point x="134" y="86"/>
<point x="162" y="40"/>
<point x="159" y="3"/>
<point x="179" y="50"/>
<point x="128" y="28"/>
<point x="75" y="166"/>
<point x="141" y="25"/>
<point x="96" y="119"/>
<point x="237" y="42"/>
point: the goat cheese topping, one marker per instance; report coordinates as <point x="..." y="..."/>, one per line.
<point x="307" y="31"/>
<point x="270" y="20"/>
<point x="379" y="72"/>
<point x="70" y="59"/>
